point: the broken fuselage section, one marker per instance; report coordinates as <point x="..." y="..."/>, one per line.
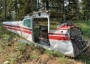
<point x="49" y="33"/>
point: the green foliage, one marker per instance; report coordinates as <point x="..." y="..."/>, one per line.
<point x="5" y="57"/>
<point x="6" y="37"/>
<point x="57" y="54"/>
<point x="1" y="49"/>
<point x="86" y="9"/>
<point x="65" y="60"/>
<point x="1" y="10"/>
<point x="84" y="59"/>
<point x="13" y="59"/>
<point x="2" y="16"/>
<point x="88" y="62"/>
<point x="84" y="25"/>
<point x="1" y="44"/>
<point x="20" y="56"/>
<point x="34" y="56"/>
<point x="74" y="9"/>
<point x="54" y="53"/>
<point x="21" y="47"/>
<point x="15" y="9"/>
<point x="4" y="40"/>
<point x="62" y="58"/>
<point x="49" y="52"/>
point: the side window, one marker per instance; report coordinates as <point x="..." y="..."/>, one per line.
<point x="27" y="23"/>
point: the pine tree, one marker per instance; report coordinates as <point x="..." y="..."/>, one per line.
<point x="86" y="9"/>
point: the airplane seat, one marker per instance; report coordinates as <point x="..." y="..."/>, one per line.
<point x="43" y="32"/>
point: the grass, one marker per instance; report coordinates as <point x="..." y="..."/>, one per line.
<point x="34" y="56"/>
<point x="54" y="53"/>
<point x="0" y="49"/>
<point x="84" y="59"/>
<point x="85" y="26"/>
<point x="64" y="60"/>
<point x="21" y="47"/>
<point x="13" y="59"/>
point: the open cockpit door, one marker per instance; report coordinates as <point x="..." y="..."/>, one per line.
<point x="40" y="31"/>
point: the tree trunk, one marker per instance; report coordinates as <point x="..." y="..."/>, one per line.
<point x="29" y="6"/>
<point x="5" y="10"/>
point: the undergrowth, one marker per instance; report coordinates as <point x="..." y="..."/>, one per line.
<point x="85" y="26"/>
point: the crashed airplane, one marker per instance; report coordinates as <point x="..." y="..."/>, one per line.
<point x="42" y="28"/>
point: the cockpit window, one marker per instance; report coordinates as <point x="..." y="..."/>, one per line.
<point x="27" y="23"/>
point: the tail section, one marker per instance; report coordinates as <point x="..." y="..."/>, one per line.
<point x="13" y="27"/>
<point x="19" y="28"/>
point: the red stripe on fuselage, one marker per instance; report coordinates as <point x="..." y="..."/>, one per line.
<point x="12" y="28"/>
<point x="59" y="38"/>
<point x="28" y="32"/>
<point x="18" y="28"/>
<point x="63" y="28"/>
<point x="54" y="36"/>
